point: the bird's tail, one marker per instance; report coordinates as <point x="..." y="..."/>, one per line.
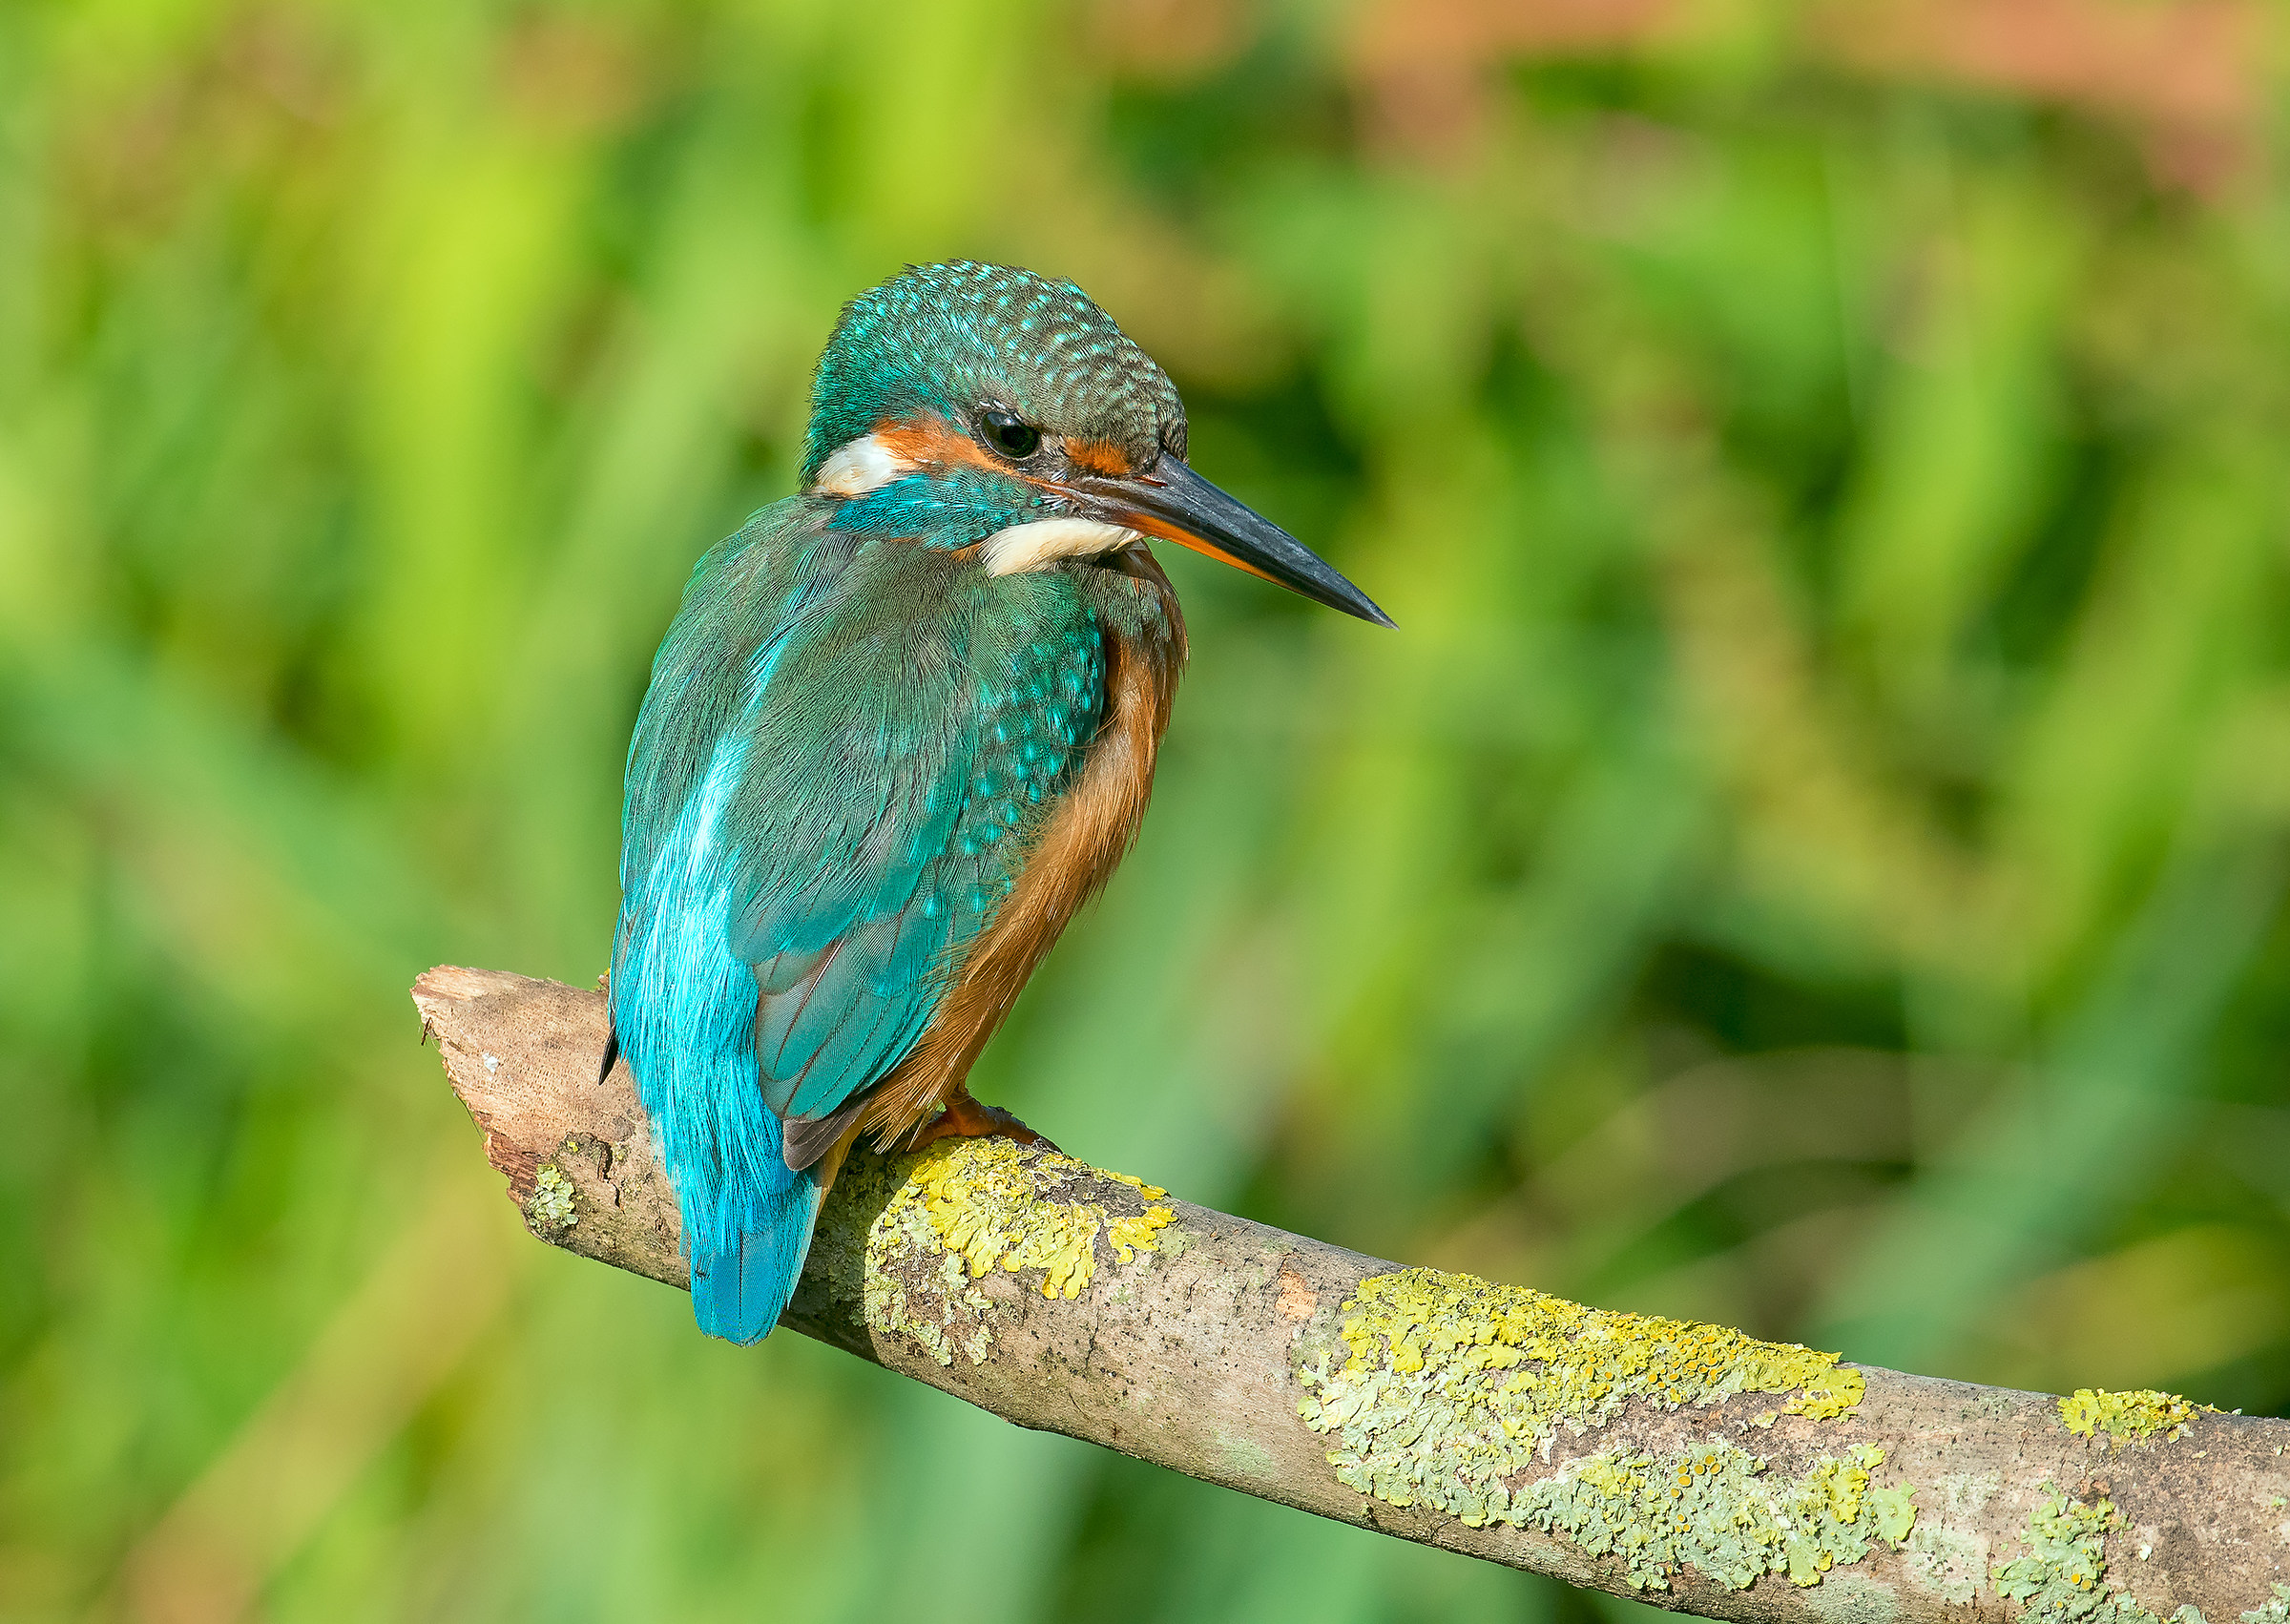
<point x="745" y="1263"/>
<point x="688" y="1032"/>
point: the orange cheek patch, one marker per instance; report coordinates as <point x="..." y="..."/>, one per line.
<point x="930" y="441"/>
<point x="1098" y="457"/>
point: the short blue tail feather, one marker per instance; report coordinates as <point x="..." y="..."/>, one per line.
<point x="738" y="1289"/>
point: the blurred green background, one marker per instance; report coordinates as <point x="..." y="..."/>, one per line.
<point x="1812" y="858"/>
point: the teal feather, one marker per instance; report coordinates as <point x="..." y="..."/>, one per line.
<point x="850" y="732"/>
<point x="844" y="744"/>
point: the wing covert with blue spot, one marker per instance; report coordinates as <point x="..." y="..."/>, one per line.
<point x="856" y="918"/>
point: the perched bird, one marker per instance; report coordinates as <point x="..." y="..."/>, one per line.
<point x="903" y="726"/>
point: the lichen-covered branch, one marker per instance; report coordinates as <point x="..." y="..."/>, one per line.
<point x="1686" y="1465"/>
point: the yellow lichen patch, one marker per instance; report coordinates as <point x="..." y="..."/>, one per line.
<point x="994" y="1205"/>
<point x="1135" y="1232"/>
<point x="2089" y="1412"/>
<point x="965" y="1208"/>
<point x="1835" y="1488"/>
<point x="1151" y="1191"/>
<point x="1445" y="1390"/>
<point x="1527" y="1363"/>
<point x="1831" y="1396"/>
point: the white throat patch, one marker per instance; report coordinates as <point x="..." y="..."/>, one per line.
<point x="1045" y="541"/>
<point x="862" y="465"/>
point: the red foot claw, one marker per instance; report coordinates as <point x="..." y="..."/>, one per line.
<point x="1007" y="1127"/>
<point x="965" y="1118"/>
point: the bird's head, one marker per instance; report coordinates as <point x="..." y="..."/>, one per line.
<point x="989" y="407"/>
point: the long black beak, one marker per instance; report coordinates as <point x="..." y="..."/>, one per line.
<point x="1169" y="500"/>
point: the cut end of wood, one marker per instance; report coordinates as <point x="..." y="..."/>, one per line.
<point x="522" y="1055"/>
<point x="459" y="984"/>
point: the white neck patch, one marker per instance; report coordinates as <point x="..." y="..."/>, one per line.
<point x="863" y="465"/>
<point x="1045" y="541"/>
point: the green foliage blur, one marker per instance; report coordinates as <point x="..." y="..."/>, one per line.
<point x="1812" y="856"/>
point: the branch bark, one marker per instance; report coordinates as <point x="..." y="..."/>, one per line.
<point x="1684" y="1465"/>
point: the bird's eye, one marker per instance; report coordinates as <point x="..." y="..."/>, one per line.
<point x="1010" y="434"/>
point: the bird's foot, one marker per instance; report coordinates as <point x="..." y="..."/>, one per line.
<point x="965" y="1118"/>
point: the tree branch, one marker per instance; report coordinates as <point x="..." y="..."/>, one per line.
<point x="1686" y="1465"/>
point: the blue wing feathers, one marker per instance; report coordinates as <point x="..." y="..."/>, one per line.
<point x="820" y="811"/>
<point x="851" y="1018"/>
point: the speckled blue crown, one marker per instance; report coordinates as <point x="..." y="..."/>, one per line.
<point x="953" y="336"/>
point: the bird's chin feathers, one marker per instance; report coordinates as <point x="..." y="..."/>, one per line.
<point x="1045" y="541"/>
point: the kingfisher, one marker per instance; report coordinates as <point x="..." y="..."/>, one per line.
<point x="903" y="726"/>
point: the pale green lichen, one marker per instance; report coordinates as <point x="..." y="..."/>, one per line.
<point x="1716" y="1509"/>
<point x="1443" y="1389"/>
<point x="2135" y="1416"/>
<point x="551" y="1206"/>
<point x="973" y="1206"/>
<point x="1894" y="1509"/>
<point x="2275" y="1612"/>
<point x="2062" y="1579"/>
